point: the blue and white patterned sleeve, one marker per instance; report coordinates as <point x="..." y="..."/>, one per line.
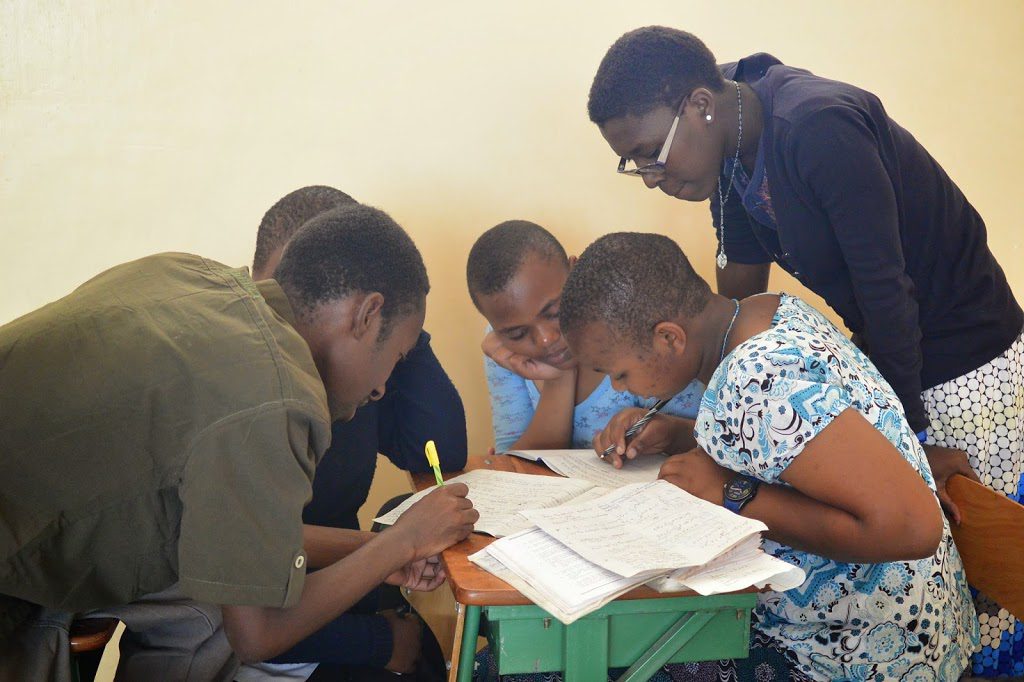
<point x="758" y="414"/>
<point x="511" y="406"/>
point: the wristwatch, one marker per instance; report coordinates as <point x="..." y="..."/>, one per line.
<point x="737" y="492"/>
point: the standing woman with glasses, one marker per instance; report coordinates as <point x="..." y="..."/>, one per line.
<point x="813" y="175"/>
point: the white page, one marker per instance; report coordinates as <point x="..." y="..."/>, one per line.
<point x="555" y="576"/>
<point x="758" y="571"/>
<point x="745" y="550"/>
<point x="743" y="566"/>
<point x="492" y="565"/>
<point x="646" y="527"/>
<point x="594" y="493"/>
<point x="586" y="465"/>
<point x="531" y="455"/>
<point x="499" y="496"/>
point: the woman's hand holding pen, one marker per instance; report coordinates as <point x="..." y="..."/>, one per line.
<point x="653" y="438"/>
<point x="663" y="433"/>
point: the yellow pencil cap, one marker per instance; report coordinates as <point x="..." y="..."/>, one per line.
<point x="431" y="450"/>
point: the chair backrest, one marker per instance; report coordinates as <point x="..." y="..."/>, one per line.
<point x="91" y="634"/>
<point x="991" y="542"/>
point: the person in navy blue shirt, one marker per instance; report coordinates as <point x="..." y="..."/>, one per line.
<point x="813" y="175"/>
<point x="420" y="403"/>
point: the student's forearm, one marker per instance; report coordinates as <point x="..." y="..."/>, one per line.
<point x="325" y="545"/>
<point x="259" y="633"/>
<point x="551" y="426"/>
<point x="804" y="523"/>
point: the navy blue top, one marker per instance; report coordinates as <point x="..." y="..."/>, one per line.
<point x="869" y="221"/>
<point x="420" y="403"/>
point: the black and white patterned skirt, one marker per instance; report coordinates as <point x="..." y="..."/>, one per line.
<point x="982" y="413"/>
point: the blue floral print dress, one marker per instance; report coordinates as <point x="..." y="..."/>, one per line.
<point x="908" y="620"/>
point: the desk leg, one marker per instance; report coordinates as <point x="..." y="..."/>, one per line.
<point x="452" y="656"/>
<point x="586" y="650"/>
<point x="667" y="645"/>
<point x="467" y="652"/>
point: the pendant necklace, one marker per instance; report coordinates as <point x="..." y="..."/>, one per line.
<point x="722" y="260"/>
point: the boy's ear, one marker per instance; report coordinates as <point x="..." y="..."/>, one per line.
<point x="670" y="338"/>
<point x="368" y="315"/>
<point x="572" y="262"/>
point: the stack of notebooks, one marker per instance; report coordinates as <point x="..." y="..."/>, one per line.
<point x="572" y="545"/>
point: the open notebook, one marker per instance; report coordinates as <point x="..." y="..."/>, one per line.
<point x="587" y="466"/>
<point x="581" y="556"/>
<point x="572" y="546"/>
<point x="500" y="496"/>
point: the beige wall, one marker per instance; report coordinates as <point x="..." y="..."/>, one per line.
<point x="130" y="127"/>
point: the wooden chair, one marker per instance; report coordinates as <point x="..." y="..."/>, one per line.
<point x="88" y="639"/>
<point x="991" y="542"/>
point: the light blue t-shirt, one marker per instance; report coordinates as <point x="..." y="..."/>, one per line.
<point x="905" y="620"/>
<point x="514" y="400"/>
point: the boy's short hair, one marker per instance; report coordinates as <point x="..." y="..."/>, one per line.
<point x="497" y="254"/>
<point x="289" y="214"/>
<point x="648" y="67"/>
<point x="353" y="249"/>
<point x="630" y="282"/>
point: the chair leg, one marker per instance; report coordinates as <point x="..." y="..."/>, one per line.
<point x="85" y="665"/>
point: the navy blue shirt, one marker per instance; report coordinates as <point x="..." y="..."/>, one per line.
<point x="869" y="221"/>
<point x="420" y="403"/>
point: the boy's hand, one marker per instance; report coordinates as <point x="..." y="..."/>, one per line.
<point x="695" y="472"/>
<point x="422" y="575"/>
<point x="514" y="362"/>
<point x="944" y="463"/>
<point x="436" y="522"/>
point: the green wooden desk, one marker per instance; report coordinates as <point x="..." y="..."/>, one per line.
<point x="642" y="630"/>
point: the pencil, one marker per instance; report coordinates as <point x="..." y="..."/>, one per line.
<point x="433" y="461"/>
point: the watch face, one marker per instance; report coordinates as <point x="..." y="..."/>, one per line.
<point x="738" y="488"/>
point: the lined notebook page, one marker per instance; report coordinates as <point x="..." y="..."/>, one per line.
<point x="742" y="566"/>
<point x="553" y="576"/>
<point x="587" y="466"/>
<point x="646" y="527"/>
<point x="499" y="496"/>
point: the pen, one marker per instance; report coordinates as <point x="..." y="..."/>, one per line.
<point x="433" y="461"/>
<point x="640" y="423"/>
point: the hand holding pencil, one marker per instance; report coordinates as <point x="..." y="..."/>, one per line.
<point x="636" y="432"/>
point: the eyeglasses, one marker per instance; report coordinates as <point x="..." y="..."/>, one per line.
<point x="659" y="165"/>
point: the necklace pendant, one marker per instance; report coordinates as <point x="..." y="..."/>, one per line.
<point x="722" y="261"/>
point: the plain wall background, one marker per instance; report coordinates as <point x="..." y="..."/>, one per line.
<point x="131" y="127"/>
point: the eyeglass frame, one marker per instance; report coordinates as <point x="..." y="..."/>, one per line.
<point x="658" y="166"/>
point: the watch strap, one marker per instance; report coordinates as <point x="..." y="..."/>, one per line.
<point x="736" y="504"/>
